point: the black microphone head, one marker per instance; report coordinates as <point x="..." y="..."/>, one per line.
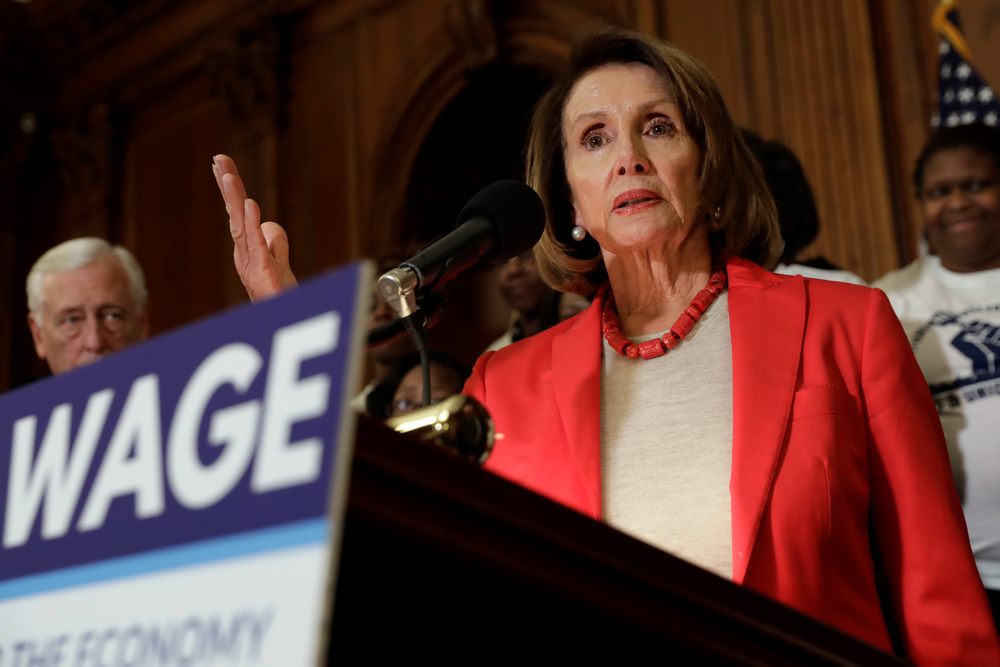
<point x="516" y="213"/>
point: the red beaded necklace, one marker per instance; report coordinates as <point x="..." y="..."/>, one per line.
<point x="657" y="347"/>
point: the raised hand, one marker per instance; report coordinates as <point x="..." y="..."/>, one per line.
<point x="260" y="251"/>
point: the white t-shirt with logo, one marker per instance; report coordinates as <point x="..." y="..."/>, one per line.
<point x="953" y="323"/>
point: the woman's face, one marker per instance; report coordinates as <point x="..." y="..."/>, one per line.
<point x="961" y="204"/>
<point x="631" y="165"/>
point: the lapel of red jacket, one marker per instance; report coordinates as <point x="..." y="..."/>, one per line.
<point x="576" y="382"/>
<point x="767" y="322"/>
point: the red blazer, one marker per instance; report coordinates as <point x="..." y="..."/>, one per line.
<point x="837" y="449"/>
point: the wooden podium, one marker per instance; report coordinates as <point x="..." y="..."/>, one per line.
<point x="443" y="560"/>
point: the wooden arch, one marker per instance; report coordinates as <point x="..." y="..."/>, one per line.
<point x="438" y="75"/>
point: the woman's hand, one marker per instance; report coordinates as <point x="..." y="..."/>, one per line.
<point x="260" y="251"/>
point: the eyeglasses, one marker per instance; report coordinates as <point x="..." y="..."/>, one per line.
<point x="404" y="405"/>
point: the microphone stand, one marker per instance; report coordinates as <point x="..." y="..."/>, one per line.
<point x="398" y="287"/>
<point x="416" y="331"/>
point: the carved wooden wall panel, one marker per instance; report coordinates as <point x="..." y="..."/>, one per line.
<point x="87" y="171"/>
<point x="28" y="185"/>
<point x="323" y="184"/>
<point x="981" y="22"/>
<point x="907" y="62"/>
<point x="174" y="221"/>
<point x="805" y="73"/>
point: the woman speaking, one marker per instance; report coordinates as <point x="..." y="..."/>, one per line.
<point x="772" y="429"/>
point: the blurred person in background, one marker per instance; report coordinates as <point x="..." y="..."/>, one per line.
<point x="401" y="389"/>
<point x="382" y="358"/>
<point x="86" y="300"/>
<point x="949" y="304"/>
<point x="798" y="217"/>
<point x="534" y="305"/>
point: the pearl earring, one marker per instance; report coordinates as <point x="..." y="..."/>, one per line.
<point x="578" y="233"/>
<point x="717" y="213"/>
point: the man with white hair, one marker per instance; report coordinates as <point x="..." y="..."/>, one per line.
<point x="86" y="299"/>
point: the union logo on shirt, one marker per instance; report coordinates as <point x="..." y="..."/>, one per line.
<point x="975" y="339"/>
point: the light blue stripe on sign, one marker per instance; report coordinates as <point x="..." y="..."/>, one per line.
<point x="300" y="533"/>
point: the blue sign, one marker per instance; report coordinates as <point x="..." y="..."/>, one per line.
<point x="217" y="441"/>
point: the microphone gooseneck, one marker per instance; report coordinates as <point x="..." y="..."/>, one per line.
<point x="502" y="220"/>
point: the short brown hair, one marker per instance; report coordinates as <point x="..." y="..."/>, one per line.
<point x="729" y="176"/>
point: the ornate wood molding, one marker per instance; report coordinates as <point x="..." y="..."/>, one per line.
<point x="246" y="74"/>
<point x="85" y="154"/>
<point x="472" y="25"/>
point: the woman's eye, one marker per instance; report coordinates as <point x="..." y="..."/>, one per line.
<point x="594" y="140"/>
<point x="402" y="406"/>
<point x="977" y="185"/>
<point x="936" y="192"/>
<point x="659" y="127"/>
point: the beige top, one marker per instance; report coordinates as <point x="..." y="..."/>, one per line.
<point x="667" y="444"/>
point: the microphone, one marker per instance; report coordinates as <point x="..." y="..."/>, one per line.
<point x="501" y="221"/>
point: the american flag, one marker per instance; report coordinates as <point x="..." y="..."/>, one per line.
<point x="963" y="96"/>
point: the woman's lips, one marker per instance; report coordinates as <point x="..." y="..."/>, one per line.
<point x="635" y="201"/>
<point x="962" y="224"/>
